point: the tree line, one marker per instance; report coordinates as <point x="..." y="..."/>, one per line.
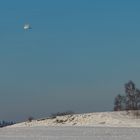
<point x="6" y="123"/>
<point x="130" y="100"/>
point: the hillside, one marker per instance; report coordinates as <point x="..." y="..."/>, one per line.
<point x="112" y="119"/>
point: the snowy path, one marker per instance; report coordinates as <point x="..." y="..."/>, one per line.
<point x="69" y="133"/>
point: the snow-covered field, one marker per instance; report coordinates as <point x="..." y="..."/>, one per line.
<point x="90" y="126"/>
<point x="70" y="133"/>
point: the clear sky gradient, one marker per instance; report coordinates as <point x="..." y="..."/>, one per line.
<point x="77" y="56"/>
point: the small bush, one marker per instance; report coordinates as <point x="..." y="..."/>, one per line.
<point x="30" y="119"/>
<point x="54" y="115"/>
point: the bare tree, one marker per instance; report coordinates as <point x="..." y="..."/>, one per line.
<point x="119" y="103"/>
<point x="132" y="96"/>
<point x="131" y="99"/>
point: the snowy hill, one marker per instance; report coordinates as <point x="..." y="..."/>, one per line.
<point x="112" y="119"/>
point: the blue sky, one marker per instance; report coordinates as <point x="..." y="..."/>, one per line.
<point x="77" y="56"/>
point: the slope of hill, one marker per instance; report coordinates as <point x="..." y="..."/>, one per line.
<point x="111" y="119"/>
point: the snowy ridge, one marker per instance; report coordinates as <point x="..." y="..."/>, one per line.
<point x="111" y="119"/>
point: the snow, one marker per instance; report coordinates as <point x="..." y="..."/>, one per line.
<point x="69" y="133"/>
<point x="89" y="126"/>
<point x="112" y="119"/>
